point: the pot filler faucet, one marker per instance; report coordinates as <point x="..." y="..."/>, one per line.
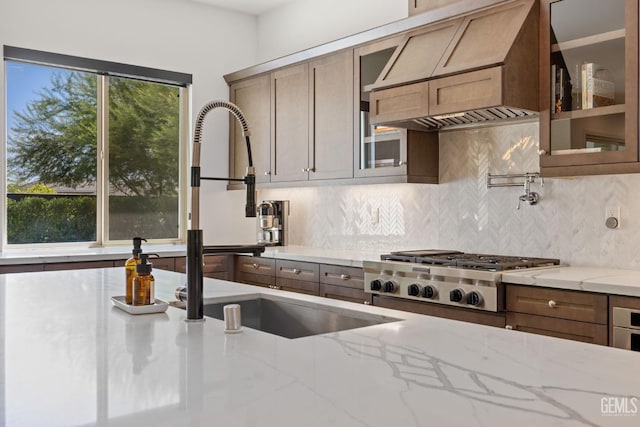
<point x="195" y="248"/>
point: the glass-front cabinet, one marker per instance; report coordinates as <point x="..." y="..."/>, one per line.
<point x="379" y="150"/>
<point x="589" y="99"/>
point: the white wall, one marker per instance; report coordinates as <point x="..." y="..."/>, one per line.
<point x="307" y="23"/>
<point x="176" y="35"/>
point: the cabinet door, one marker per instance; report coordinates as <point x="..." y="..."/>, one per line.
<point x="378" y="150"/>
<point x="290" y="124"/>
<point x="589" y="87"/>
<point x="252" y="96"/>
<point x="559" y="328"/>
<point x="331" y="116"/>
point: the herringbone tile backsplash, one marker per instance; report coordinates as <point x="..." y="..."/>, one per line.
<point x="461" y="213"/>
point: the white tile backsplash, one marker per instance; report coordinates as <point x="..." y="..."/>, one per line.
<point x="462" y="213"/>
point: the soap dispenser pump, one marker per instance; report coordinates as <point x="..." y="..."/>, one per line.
<point x="130" y="268"/>
<point x="144" y="283"/>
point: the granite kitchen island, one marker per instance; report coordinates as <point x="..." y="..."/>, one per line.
<point x="70" y="358"/>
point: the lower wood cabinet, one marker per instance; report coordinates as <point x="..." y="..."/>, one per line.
<point x="574" y="315"/>
<point x="215" y="266"/>
<point x="80" y="265"/>
<point x="473" y="316"/>
<point x="255" y="271"/>
<point x="343" y="283"/>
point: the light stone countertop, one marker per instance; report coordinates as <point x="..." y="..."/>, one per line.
<point x="591" y="279"/>
<point x="72" y="359"/>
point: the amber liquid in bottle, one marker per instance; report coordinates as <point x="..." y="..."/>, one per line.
<point x="130" y="271"/>
<point x="143" y="289"/>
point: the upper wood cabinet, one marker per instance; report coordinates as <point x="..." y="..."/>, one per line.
<point x="331" y="117"/>
<point x="253" y="97"/>
<point x="421" y="6"/>
<point x="587" y="46"/>
<point x="290" y="123"/>
<point x="312" y="123"/>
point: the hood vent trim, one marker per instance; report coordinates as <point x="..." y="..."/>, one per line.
<point x="474" y="117"/>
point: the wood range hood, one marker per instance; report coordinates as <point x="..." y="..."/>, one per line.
<point x="465" y="70"/>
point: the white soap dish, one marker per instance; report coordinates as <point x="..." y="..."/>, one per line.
<point x="158" y="307"/>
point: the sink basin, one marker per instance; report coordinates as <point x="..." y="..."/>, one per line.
<point x="293" y="318"/>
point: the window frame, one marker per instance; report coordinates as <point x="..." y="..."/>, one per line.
<point x="103" y="70"/>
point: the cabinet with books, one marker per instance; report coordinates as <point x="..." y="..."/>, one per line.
<point x="589" y="87"/>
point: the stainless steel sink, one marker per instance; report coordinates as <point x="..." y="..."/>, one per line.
<point x="295" y="319"/>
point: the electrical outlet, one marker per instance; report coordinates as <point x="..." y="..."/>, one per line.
<point x="612" y="212"/>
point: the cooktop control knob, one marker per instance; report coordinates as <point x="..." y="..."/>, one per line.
<point x="376" y="285"/>
<point x="456" y="295"/>
<point x="474" y="298"/>
<point x="429" y="292"/>
<point x="389" y="287"/>
<point x="414" y="290"/>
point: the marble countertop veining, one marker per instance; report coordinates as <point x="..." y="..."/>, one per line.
<point x="591" y="279"/>
<point x="72" y="359"/>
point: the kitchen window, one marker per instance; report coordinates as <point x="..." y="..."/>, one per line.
<point x="95" y="151"/>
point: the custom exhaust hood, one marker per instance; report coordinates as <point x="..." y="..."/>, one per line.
<point x="464" y="70"/>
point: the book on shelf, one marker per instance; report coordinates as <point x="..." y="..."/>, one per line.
<point x="598" y="89"/>
<point x="561" y="89"/>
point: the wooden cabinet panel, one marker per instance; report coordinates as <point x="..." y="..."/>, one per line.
<point x="164" y="264"/>
<point x="557" y="303"/>
<point x="300" y="286"/>
<point x="252" y="96"/>
<point x="331" y="117"/>
<point x="215" y="266"/>
<point x="345" y="293"/>
<point x="473" y="316"/>
<point x="399" y="103"/>
<point x="78" y="265"/>
<point x="255" y="265"/>
<point x="23" y="268"/>
<point x="478" y="44"/>
<point x="421" y="6"/>
<point x="560" y="328"/>
<point x="290" y="123"/>
<point x="350" y="277"/>
<point x="418" y="54"/>
<point x="466" y="91"/>
<point x="297" y="270"/>
<point x="254" y="279"/>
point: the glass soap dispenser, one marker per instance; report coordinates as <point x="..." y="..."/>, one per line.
<point x="144" y="283"/>
<point x="130" y="268"/>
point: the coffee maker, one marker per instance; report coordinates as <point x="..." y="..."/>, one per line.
<point x="273" y="218"/>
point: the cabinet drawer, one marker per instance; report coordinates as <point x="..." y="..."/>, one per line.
<point x="466" y="91"/>
<point x="298" y="270"/>
<point x="560" y="328"/>
<point x="79" y="265"/>
<point x="254" y="279"/>
<point x="255" y="265"/>
<point x="163" y="263"/>
<point x="358" y="296"/>
<point x="351" y="277"/>
<point x="399" y="103"/>
<point x="300" y="286"/>
<point x="561" y="304"/>
<point x="212" y="264"/>
<point x="462" y="314"/>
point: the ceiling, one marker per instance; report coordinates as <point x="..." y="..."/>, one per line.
<point x="253" y="7"/>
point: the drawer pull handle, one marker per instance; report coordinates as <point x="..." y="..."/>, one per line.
<point x="296" y="271"/>
<point x="509" y="327"/>
<point x="255" y="265"/>
<point x="367" y="303"/>
<point x="345" y="277"/>
<point x="552" y="304"/>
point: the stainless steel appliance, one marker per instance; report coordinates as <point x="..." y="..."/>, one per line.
<point x="273" y="221"/>
<point x="626" y="328"/>
<point x="445" y="277"/>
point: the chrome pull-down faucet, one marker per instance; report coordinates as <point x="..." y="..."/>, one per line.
<point x="195" y="247"/>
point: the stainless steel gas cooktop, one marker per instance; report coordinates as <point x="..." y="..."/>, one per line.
<point x="446" y="277"/>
